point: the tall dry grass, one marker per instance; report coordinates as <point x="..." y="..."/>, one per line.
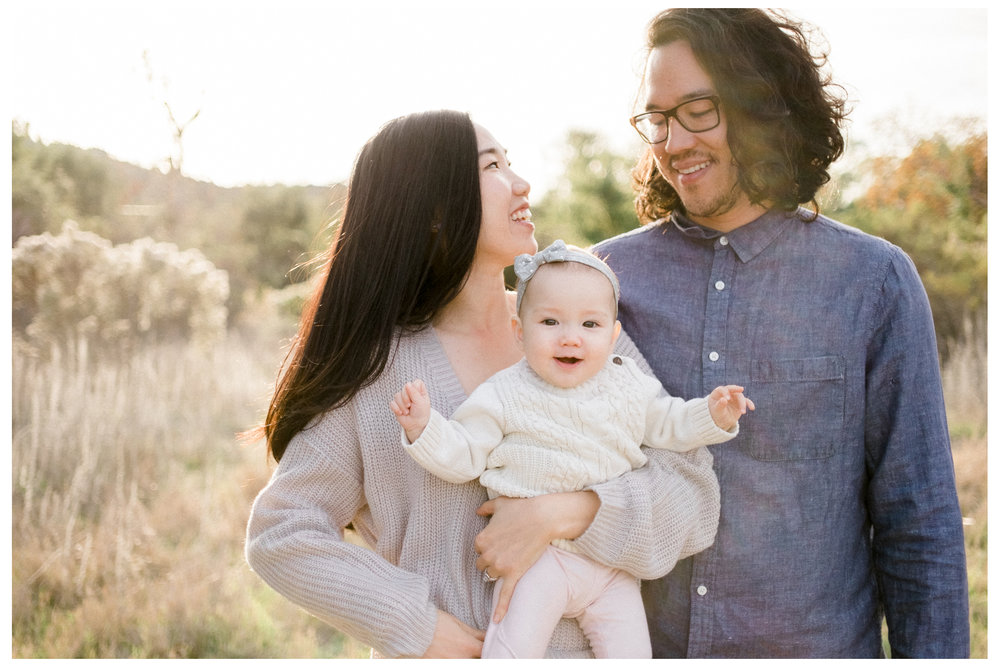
<point x="130" y="498"/>
<point x="965" y="378"/>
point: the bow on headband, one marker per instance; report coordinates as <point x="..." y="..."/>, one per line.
<point x="526" y="265"/>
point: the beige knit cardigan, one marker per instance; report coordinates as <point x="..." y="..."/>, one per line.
<point x="349" y="468"/>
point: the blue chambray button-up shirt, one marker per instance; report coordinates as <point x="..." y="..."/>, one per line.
<point x="838" y="495"/>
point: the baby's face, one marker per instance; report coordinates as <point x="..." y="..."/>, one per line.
<point x="567" y="324"/>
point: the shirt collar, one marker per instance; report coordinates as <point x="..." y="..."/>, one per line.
<point x="747" y="241"/>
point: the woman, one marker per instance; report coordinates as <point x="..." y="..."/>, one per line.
<point x="414" y="288"/>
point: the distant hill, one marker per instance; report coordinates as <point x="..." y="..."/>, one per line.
<point x="256" y="233"/>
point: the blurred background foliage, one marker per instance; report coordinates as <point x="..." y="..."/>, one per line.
<point x="149" y="314"/>
<point x="931" y="202"/>
<point x="256" y="234"/>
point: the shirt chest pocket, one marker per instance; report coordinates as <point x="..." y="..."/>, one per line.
<point x="800" y="408"/>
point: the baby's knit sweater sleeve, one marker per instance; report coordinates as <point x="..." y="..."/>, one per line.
<point x="676" y="424"/>
<point x="295" y="543"/>
<point x="654" y="516"/>
<point x="457" y="449"/>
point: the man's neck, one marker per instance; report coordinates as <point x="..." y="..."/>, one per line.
<point x="736" y="217"/>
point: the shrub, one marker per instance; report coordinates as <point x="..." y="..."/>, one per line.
<point x="77" y="287"/>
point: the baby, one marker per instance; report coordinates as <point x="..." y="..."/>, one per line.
<point x="566" y="417"/>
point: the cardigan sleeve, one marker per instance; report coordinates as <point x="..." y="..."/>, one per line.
<point x="295" y="543"/>
<point x="654" y="516"/>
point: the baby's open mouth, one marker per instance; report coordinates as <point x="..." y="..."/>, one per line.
<point x="568" y="360"/>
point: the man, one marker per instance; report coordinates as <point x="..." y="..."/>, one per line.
<point x="838" y="496"/>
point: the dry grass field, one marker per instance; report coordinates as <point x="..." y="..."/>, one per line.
<point x="130" y="497"/>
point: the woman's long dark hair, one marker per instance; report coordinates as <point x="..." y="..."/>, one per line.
<point x="402" y="251"/>
<point x="783" y="115"/>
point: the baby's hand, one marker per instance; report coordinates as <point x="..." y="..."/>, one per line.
<point x="727" y="404"/>
<point x="412" y="407"/>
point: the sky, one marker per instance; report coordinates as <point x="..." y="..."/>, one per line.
<point x="287" y="92"/>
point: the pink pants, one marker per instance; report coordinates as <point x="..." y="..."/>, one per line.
<point x="606" y="603"/>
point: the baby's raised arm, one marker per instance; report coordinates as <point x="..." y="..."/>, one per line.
<point x="412" y="407"/>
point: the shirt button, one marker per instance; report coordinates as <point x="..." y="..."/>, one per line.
<point x="724" y="240"/>
<point x="719" y="285"/>
<point x="713" y="356"/>
<point x="702" y="590"/>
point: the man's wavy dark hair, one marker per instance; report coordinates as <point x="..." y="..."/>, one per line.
<point x="783" y="114"/>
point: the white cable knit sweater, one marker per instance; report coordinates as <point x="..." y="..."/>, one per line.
<point x="523" y="437"/>
<point x="348" y="467"/>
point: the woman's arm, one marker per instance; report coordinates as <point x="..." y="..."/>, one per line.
<point x="642" y="522"/>
<point x="657" y="515"/>
<point x="295" y="543"/>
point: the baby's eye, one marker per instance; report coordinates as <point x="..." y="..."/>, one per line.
<point x="591" y="324"/>
<point x="549" y="322"/>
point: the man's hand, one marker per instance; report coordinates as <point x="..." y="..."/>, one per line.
<point x="412" y="407"/>
<point x="727" y="404"/>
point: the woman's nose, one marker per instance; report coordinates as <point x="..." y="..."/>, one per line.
<point x="521" y="187"/>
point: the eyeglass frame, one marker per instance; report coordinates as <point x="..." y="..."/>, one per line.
<point x="672" y="113"/>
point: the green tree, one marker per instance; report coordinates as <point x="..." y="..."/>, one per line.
<point x="51" y="184"/>
<point x="593" y="199"/>
<point x="278" y="229"/>
<point x="35" y="204"/>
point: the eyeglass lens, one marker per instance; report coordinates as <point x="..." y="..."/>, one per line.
<point x="698" y="115"/>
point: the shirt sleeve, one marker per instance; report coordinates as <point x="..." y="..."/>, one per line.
<point x="295" y="542"/>
<point x="654" y="516"/>
<point x="457" y="450"/>
<point x="918" y="541"/>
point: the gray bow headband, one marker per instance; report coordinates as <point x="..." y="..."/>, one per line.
<point x="526" y="265"/>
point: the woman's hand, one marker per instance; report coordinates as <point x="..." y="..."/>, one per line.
<point x="454" y="639"/>
<point x="521" y="528"/>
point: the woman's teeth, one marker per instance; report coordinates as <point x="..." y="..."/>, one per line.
<point x="522" y="215"/>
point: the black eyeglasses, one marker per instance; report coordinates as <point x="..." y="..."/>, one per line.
<point x="698" y="115"/>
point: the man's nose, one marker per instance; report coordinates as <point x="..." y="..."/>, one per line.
<point x="679" y="139"/>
